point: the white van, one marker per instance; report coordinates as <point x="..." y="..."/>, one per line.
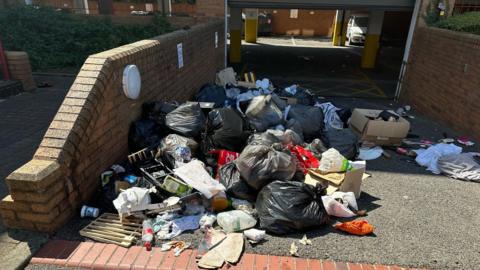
<point x="357" y="28"/>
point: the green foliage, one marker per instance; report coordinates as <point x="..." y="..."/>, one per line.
<point x="467" y="22"/>
<point x="56" y="39"/>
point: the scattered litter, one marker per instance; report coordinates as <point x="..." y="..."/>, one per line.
<point x="195" y="175"/>
<point x="88" y="211"/>
<point x="228" y="250"/>
<point x="235" y="220"/>
<point x="170" y="229"/>
<point x="254" y="236"/>
<point x="333" y="161"/>
<point x="465" y="141"/>
<point x="331" y="118"/>
<point x="293" y="250"/>
<point x="178" y="247"/>
<point x="370" y="153"/>
<point x="207" y="220"/>
<point x="339" y="203"/>
<point x="356" y="227"/>
<point x="109" y="228"/>
<point x="305" y="241"/>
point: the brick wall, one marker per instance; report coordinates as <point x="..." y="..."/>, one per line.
<point x="308" y="22"/>
<point x="442" y="79"/>
<point x="89" y="132"/>
<point x="184" y="9"/>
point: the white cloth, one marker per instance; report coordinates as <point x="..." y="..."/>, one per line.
<point x="429" y="157"/>
<point x="330" y="118"/>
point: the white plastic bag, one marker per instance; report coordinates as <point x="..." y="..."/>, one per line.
<point x="334" y="207"/>
<point x="195" y="175"/>
<point x="235" y="220"/>
<point x="333" y="161"/>
<point x="131" y="200"/>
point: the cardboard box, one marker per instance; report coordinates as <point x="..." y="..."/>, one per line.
<point x="346" y="181"/>
<point x="379" y="132"/>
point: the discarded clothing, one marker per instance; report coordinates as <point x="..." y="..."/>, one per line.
<point x="356" y="227"/>
<point x="462" y="166"/>
<point x="331" y="118"/>
<point x="429" y="157"/>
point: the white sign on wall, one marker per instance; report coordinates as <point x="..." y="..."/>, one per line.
<point x="180" y="55"/>
<point x="293" y="13"/>
<point x="216" y="39"/>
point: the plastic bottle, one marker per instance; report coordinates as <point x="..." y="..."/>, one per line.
<point x="235" y="220"/>
<point x="147" y="234"/>
<point x="219" y="202"/>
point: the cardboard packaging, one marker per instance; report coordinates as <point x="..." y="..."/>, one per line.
<point x="364" y="123"/>
<point x="345" y="181"/>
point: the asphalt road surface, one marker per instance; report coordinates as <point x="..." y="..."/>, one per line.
<point x="420" y="219"/>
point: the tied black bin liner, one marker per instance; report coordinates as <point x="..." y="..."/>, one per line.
<point x="212" y="93"/>
<point x="225" y="130"/>
<point x="344" y="141"/>
<point x="309" y="118"/>
<point x="287" y="207"/>
<point x="260" y="165"/>
<point x="143" y="133"/>
<point x="233" y="182"/>
<point x="187" y="120"/>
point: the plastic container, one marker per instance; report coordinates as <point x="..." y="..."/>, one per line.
<point x="88" y="211"/>
<point x="333" y="161"/>
<point x="220" y="202"/>
<point x="147" y="234"/>
<point x="235" y="220"/>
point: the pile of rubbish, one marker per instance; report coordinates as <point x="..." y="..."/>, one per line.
<point x="240" y="162"/>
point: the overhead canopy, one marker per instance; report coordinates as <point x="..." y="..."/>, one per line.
<point x="325" y="4"/>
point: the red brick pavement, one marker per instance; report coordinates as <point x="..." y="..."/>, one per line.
<point x="89" y="255"/>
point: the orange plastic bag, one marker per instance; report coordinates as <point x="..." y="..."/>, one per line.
<point x="357" y="227"/>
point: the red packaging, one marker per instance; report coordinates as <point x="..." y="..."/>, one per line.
<point x="224" y="157"/>
<point x="306" y="159"/>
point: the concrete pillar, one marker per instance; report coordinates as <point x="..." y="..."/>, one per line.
<point x="337" y="28"/>
<point x="251" y="25"/>
<point x="372" y="40"/>
<point x="344" y="27"/>
<point x="235" y="35"/>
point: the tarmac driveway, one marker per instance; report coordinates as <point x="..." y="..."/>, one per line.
<point x="420" y="219"/>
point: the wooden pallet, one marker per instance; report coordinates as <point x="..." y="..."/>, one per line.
<point x="109" y="228"/>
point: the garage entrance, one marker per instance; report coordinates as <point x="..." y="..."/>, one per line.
<point x="358" y="52"/>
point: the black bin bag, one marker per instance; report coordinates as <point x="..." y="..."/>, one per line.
<point x="235" y="185"/>
<point x="344" y="141"/>
<point x="226" y="130"/>
<point x="143" y="133"/>
<point x="212" y="93"/>
<point x="261" y="164"/>
<point x="309" y="118"/>
<point x="288" y="207"/>
<point x="187" y="120"/>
